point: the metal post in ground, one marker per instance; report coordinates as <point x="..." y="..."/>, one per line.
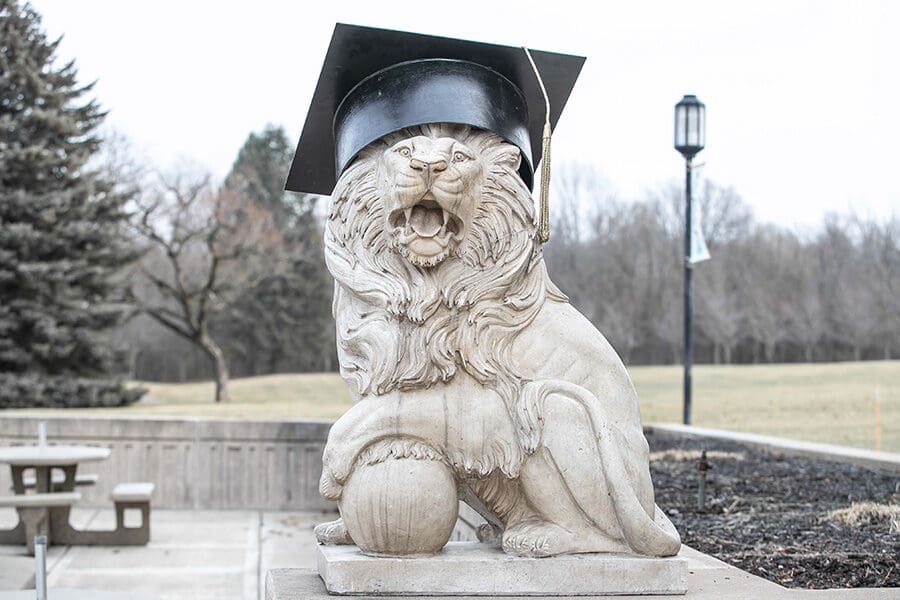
<point x="688" y="306"/>
<point x="690" y="138"/>
<point x="40" y="567"/>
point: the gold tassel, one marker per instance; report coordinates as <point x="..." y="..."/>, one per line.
<point x="544" y="225"/>
<point x="544" y="230"/>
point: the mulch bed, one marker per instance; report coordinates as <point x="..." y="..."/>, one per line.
<point x="768" y="513"/>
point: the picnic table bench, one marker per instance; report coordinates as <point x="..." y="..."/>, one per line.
<point x="34" y="512"/>
<point x="133" y="495"/>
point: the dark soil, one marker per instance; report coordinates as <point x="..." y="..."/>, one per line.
<point x="767" y="513"/>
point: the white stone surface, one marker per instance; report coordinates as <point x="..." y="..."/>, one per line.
<point x="460" y="350"/>
<point x="473" y="569"/>
<point x="51" y="456"/>
<point x="133" y="491"/>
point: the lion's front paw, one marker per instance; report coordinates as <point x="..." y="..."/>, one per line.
<point x="333" y="532"/>
<point x="537" y="539"/>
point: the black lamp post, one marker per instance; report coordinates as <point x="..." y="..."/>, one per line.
<point x="690" y="137"/>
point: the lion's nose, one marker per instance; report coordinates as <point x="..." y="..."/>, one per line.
<point x="435" y="166"/>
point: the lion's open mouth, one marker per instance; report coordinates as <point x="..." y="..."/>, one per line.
<point x="426" y="231"/>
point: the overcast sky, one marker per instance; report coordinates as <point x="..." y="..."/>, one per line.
<point x="803" y="97"/>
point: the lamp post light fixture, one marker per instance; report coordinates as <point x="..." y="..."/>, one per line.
<point x="690" y="137"/>
<point x="690" y="126"/>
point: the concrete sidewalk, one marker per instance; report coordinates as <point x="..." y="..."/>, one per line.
<point x="225" y="555"/>
<point x="193" y="554"/>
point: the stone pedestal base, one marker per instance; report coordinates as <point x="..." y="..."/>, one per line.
<point x="474" y="569"/>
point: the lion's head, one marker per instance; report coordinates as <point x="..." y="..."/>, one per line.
<point x="432" y="243"/>
<point x="431" y="188"/>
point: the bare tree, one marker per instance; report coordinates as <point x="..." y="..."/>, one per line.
<point x="880" y="257"/>
<point x="668" y="325"/>
<point x="807" y="319"/>
<point x="852" y="313"/>
<point x="628" y="262"/>
<point x="205" y="247"/>
<point x="576" y="188"/>
<point x="726" y="217"/>
<point x="721" y="314"/>
<point x="763" y="272"/>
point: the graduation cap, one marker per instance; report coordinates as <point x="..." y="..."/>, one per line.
<point x="378" y="81"/>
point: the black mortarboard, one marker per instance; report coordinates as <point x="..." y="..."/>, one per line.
<point x="377" y="81"/>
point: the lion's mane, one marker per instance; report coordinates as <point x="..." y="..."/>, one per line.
<point x="405" y="327"/>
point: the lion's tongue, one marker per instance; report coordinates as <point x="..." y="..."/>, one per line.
<point x="426" y="222"/>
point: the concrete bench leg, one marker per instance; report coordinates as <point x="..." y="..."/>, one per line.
<point x="132" y="535"/>
<point x="36" y="522"/>
<point x="14" y="535"/>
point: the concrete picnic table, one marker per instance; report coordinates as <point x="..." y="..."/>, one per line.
<point x="44" y="459"/>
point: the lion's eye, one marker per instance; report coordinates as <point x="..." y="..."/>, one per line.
<point x="403" y="150"/>
<point x="459" y="157"/>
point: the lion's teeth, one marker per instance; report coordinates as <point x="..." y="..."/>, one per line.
<point x="446" y="216"/>
<point x="407" y="212"/>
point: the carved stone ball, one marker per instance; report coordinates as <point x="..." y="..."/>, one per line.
<point x="400" y="507"/>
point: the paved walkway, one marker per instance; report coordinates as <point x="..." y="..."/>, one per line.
<point x="198" y="555"/>
<point x="193" y="555"/>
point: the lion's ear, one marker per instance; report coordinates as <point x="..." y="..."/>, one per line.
<point x="510" y="156"/>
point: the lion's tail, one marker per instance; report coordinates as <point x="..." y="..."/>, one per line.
<point x="652" y="535"/>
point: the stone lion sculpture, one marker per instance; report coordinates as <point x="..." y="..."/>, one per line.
<point x="473" y="376"/>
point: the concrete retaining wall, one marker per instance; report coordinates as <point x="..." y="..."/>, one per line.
<point x="265" y="465"/>
<point x="195" y="463"/>
<point x="871" y="459"/>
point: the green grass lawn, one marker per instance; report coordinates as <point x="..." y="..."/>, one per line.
<point x="832" y="402"/>
<point x="824" y="402"/>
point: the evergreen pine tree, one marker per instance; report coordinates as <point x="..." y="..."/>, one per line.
<point x="63" y="230"/>
<point x="283" y="324"/>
